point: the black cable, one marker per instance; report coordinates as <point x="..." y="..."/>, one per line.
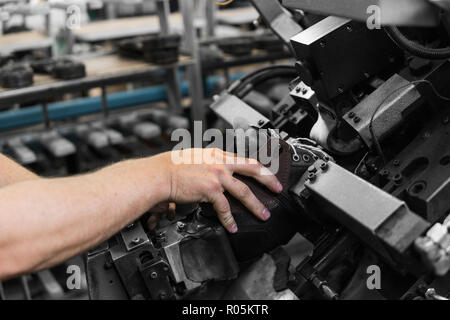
<point x="416" y="49"/>
<point x="248" y="78"/>
<point x="372" y="133"/>
<point x="248" y="86"/>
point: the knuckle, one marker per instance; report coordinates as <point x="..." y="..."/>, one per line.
<point x="228" y="219"/>
<point x="223" y="209"/>
<point x="244" y="190"/>
<point x="215" y="186"/>
<point x="219" y="170"/>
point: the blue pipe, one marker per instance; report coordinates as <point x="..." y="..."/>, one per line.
<point x="83" y="106"/>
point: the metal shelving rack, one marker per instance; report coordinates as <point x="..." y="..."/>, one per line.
<point x="171" y="74"/>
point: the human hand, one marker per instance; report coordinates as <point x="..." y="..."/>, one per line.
<point x="208" y="180"/>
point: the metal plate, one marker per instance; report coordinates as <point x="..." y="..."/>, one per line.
<point x="391" y="113"/>
<point x="393" y="12"/>
<point x="229" y="108"/>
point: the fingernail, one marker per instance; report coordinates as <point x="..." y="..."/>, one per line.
<point x="233" y="228"/>
<point x="266" y="214"/>
<point x="279" y="187"/>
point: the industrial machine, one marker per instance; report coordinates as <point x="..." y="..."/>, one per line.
<point x="364" y="157"/>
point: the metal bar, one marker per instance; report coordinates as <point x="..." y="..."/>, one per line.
<point x="163" y="10"/>
<point x="52" y="89"/>
<point x="173" y="92"/>
<point x="26" y="288"/>
<point x="171" y="74"/>
<point x="45" y="115"/>
<point x="210" y="13"/>
<point x="50" y="283"/>
<point x="195" y="72"/>
<point x="84" y="106"/>
<point x="104" y="102"/>
<point x="2" y="292"/>
<point x="392" y="12"/>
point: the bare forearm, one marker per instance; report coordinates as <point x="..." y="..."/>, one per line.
<point x="46" y="221"/>
<point x="11" y="172"/>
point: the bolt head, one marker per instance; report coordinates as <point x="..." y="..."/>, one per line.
<point x="181" y="226"/>
<point x="324" y="166"/>
<point x="312" y="169"/>
<point x="311" y="177"/>
<point x="154" y="275"/>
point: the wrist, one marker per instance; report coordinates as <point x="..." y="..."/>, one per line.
<point x="159" y="176"/>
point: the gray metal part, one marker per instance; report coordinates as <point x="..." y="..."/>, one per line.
<point x="230" y="109"/>
<point x="390" y="115"/>
<point x="425" y="163"/>
<point x="56" y="144"/>
<point x="365" y="209"/>
<point x="21" y="152"/>
<point x="359" y="199"/>
<point x="392" y="12"/>
<point x="178" y="122"/>
<point x="357" y="54"/>
<point x="134" y="236"/>
<point x="173" y="255"/>
<point x="146" y="130"/>
<point x="278" y="19"/>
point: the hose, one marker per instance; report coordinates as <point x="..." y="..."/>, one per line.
<point x="416" y="49"/>
<point x="248" y="82"/>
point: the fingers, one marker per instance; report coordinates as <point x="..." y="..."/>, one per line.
<point x="171" y="211"/>
<point x="252" y="168"/>
<point x="222" y="207"/>
<point x="153" y="221"/>
<point x="242" y="192"/>
<point x="158" y="212"/>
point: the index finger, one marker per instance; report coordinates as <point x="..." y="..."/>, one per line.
<point x="252" y="168"/>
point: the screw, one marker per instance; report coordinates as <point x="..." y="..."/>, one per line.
<point x="136" y="241"/>
<point x="311" y="177"/>
<point x="349" y="29"/>
<point x="426" y="135"/>
<point x="304" y="91"/>
<point x="181" y="226"/>
<point x="351" y="115"/>
<point x="356" y="119"/>
<point x="398" y="179"/>
<point x="154" y="275"/>
<point x="396" y="163"/>
<point x="162" y="295"/>
<point x="324" y="166"/>
<point x="261" y="122"/>
<point x="322" y="44"/>
<point x="312" y="169"/>
<point x="298" y="89"/>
